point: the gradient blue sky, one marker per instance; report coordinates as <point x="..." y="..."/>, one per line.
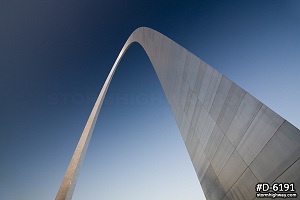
<point x="55" y="56"/>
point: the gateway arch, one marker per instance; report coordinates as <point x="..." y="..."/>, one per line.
<point x="234" y="141"/>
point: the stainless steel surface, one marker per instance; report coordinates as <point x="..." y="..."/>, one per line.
<point x="233" y="140"/>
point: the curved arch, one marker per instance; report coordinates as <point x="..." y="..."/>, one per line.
<point x="231" y="137"/>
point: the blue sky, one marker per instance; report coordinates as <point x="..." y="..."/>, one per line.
<point x="55" y="56"/>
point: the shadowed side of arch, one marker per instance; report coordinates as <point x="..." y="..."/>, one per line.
<point x="234" y="141"/>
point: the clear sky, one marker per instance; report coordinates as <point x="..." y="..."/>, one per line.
<point x="55" y="56"/>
